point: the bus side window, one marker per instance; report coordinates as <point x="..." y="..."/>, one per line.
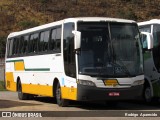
<point x="8" y="47"/>
<point x="20" y="46"/>
<point x="68" y="50"/>
<point x="53" y="39"/>
<point x="33" y="44"/>
<point x="42" y="34"/>
<point x="58" y="40"/>
<point x="14" y="49"/>
<point x="26" y="44"/>
<point x="44" y="38"/>
<point x="17" y="46"/>
<point x="11" y="47"/>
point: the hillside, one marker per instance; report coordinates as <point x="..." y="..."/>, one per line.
<point x="17" y="15"/>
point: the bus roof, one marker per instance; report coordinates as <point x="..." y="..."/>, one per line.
<point x="153" y="21"/>
<point x="91" y="19"/>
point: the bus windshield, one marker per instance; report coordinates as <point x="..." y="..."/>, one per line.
<point x="109" y="49"/>
<point x="156" y="48"/>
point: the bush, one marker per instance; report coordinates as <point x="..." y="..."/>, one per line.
<point x="131" y="15"/>
<point x="43" y="1"/>
<point x="127" y="14"/>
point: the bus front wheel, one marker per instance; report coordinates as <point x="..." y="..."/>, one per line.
<point x="60" y="101"/>
<point x="21" y="95"/>
<point x="147" y="94"/>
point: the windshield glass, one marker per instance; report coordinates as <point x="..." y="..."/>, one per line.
<point x="156" y="48"/>
<point x="109" y="49"/>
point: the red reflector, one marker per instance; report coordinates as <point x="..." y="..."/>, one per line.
<point x="114" y="94"/>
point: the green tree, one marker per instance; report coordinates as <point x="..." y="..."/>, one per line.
<point x="2" y="45"/>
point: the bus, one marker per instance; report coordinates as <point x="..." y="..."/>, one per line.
<point x="80" y="59"/>
<point x="151" y="59"/>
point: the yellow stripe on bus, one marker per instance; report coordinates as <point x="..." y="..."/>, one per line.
<point x="19" y="66"/>
<point x="43" y="90"/>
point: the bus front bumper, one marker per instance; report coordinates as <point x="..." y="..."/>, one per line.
<point x="89" y="93"/>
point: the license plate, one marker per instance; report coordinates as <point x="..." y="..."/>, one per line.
<point x="112" y="82"/>
<point x="114" y="94"/>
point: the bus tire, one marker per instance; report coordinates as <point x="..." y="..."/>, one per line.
<point x="21" y="95"/>
<point x="61" y="102"/>
<point x="147" y="94"/>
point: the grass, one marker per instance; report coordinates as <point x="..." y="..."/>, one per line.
<point x="2" y="86"/>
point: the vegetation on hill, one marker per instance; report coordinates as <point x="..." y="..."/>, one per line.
<point x="17" y="15"/>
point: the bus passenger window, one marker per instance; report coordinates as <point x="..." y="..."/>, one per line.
<point x="14" y="49"/>
<point x="8" y="46"/>
<point x="44" y="38"/>
<point x="53" y="38"/>
<point x="58" y="40"/>
<point x="55" y="42"/>
<point x="33" y="43"/>
<point x="20" y="46"/>
<point x="26" y="44"/>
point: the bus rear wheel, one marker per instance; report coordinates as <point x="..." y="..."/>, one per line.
<point x="60" y="101"/>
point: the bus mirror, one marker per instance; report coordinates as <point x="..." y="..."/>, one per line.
<point x="77" y="39"/>
<point x="147" y="40"/>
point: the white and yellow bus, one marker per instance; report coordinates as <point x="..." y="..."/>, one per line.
<point x="81" y="59"/>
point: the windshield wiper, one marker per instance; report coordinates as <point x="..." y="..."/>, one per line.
<point x="115" y="59"/>
<point x="125" y="68"/>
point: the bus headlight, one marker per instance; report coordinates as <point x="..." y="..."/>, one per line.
<point x="86" y="82"/>
<point x="138" y="82"/>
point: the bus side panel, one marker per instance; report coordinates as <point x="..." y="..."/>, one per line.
<point x="9" y="79"/>
<point x="10" y="84"/>
<point x="69" y="93"/>
<point x="34" y="82"/>
<point x="68" y="88"/>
